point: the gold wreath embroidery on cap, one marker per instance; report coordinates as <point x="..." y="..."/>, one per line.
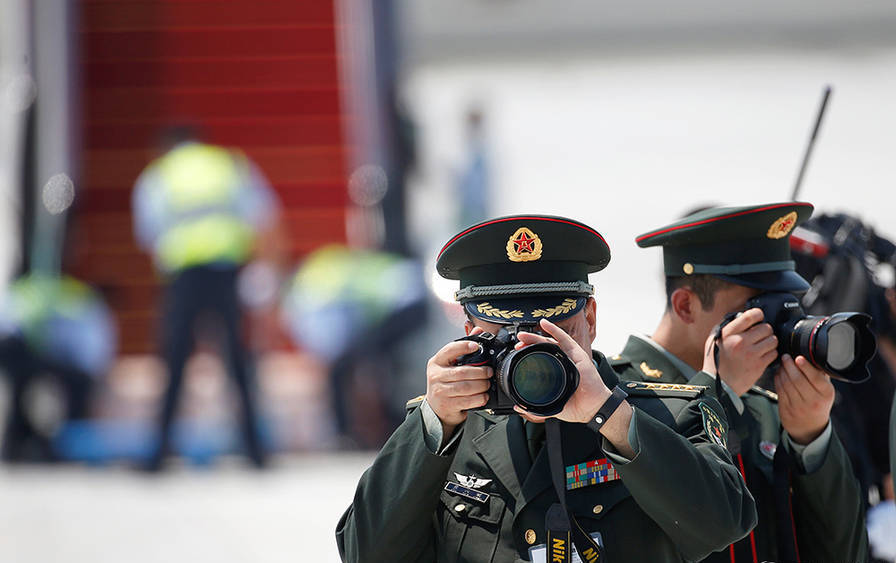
<point x="649" y="371"/>
<point x="782" y="226"/>
<point x="524" y="246"/>
<point x="487" y="309"/>
<point x="565" y="307"/>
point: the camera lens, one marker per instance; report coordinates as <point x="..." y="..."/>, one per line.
<point x="841" y="345"/>
<point x="539" y="378"/>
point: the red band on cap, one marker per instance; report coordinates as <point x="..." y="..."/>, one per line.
<point x="714" y="219"/>
<point x="471" y="229"/>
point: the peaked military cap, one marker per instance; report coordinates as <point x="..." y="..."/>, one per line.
<point x="523" y="268"/>
<point x="749" y="246"/>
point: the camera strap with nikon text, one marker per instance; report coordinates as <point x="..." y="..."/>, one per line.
<point x="562" y="529"/>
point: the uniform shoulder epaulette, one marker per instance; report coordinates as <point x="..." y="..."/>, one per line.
<point x="618" y="360"/>
<point x="764" y="392"/>
<point x="414" y="403"/>
<point x="647" y="389"/>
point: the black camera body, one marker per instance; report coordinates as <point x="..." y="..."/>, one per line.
<point x="540" y="377"/>
<point x="840" y="344"/>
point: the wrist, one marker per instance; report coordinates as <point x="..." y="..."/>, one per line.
<point x="807" y="437"/>
<point x="614" y="399"/>
<point x="447" y="430"/>
<point x="738" y="386"/>
<point x="595" y="396"/>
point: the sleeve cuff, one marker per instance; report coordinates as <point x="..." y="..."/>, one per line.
<point x="735" y="400"/>
<point x="432" y="431"/>
<point x="811" y="456"/>
<point x="610" y="450"/>
<point x="432" y="427"/>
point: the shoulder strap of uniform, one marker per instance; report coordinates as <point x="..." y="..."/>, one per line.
<point x="647" y="389"/>
<point x="756" y="390"/>
<point x="619" y="361"/>
<point x="622" y="363"/>
<point x="414" y="403"/>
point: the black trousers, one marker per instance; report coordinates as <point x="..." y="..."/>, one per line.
<point x="206" y="293"/>
<point x="22" y="440"/>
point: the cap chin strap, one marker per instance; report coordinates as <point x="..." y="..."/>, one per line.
<point x="518" y="289"/>
<point x="737" y="269"/>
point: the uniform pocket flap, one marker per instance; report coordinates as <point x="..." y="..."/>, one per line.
<point x="464" y="508"/>
<point x="585" y="502"/>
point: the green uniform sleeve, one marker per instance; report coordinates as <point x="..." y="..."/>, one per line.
<point x="828" y="511"/>
<point x="675" y="476"/>
<point x="391" y="516"/>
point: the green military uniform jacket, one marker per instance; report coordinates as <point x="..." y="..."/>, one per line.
<point x="678" y="499"/>
<point x="827" y="506"/>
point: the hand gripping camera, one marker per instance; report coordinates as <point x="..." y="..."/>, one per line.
<point x="840" y="344"/>
<point x="540" y="377"/>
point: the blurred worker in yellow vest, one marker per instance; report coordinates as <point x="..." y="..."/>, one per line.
<point x="56" y="326"/>
<point x="198" y="209"/>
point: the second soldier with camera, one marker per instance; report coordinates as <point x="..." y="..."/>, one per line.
<point x="733" y="325"/>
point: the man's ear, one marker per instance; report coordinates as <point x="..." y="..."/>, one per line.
<point x="591" y="318"/>
<point x="468" y="326"/>
<point x="684" y="302"/>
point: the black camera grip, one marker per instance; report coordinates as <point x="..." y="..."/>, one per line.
<point x="480" y="357"/>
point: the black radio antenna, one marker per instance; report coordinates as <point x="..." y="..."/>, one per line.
<point x="821" y="110"/>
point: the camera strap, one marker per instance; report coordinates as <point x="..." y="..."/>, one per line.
<point x="736" y="425"/>
<point x="561" y="526"/>
<point x="785" y="529"/>
<point x="784" y="525"/>
<point x="716" y="338"/>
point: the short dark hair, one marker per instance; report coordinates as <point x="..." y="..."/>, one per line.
<point x="704" y="286"/>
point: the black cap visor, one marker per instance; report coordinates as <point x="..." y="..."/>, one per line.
<point x="785" y="280"/>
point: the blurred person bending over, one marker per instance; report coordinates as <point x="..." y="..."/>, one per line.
<point x="59" y="326"/>
<point x="198" y="209"/>
<point x="647" y="476"/>
<point x="809" y="501"/>
<point x="352" y="308"/>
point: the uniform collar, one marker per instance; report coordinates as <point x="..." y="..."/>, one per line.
<point x="686" y="371"/>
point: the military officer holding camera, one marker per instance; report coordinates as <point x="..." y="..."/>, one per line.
<point x="639" y="471"/>
<point x="716" y="260"/>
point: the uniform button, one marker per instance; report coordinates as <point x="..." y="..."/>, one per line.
<point x="530" y="536"/>
<point x="598" y="508"/>
<point x="460" y="507"/>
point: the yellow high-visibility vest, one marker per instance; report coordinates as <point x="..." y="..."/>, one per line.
<point x="201" y="184"/>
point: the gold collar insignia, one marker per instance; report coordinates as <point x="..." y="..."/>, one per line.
<point x="649" y="371"/>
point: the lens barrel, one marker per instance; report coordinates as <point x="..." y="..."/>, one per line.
<point x="540" y="378"/>
<point x="841" y="344"/>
